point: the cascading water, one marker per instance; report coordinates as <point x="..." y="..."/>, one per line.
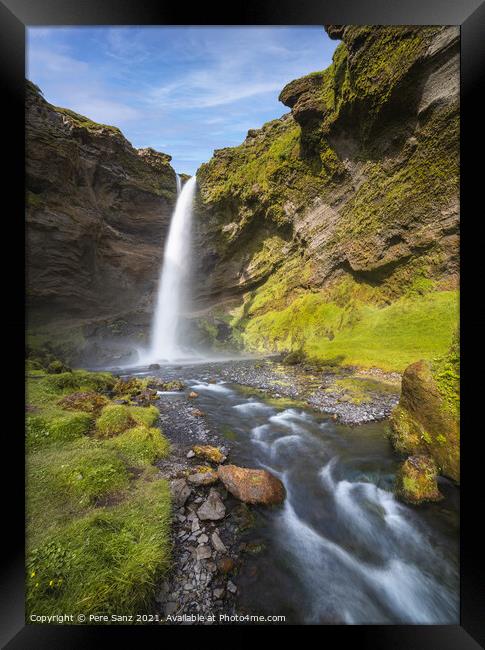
<point x="172" y="290"/>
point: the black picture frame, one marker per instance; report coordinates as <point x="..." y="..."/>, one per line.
<point x="15" y="15"/>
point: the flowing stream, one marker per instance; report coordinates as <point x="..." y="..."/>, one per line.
<point x="341" y="549"/>
<point x="172" y="290"/>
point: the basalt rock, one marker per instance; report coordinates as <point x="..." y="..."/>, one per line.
<point x="97" y="213"/>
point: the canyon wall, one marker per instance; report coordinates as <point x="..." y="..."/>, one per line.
<point x="97" y="214"/>
<point x="334" y="230"/>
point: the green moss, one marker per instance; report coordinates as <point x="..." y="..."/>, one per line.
<point x="114" y="419"/>
<point x="146" y="415"/>
<point x="56" y="425"/>
<point x="141" y="445"/>
<point x="85" y="122"/>
<point x="107" y="561"/>
<point x="446" y="373"/>
<point x="360" y="390"/>
<point x="366" y="335"/>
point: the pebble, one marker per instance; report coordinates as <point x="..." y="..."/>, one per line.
<point x="231" y="587"/>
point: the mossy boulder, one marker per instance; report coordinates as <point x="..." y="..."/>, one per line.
<point x="427" y="418"/>
<point x="207" y="452"/>
<point x="416" y="480"/>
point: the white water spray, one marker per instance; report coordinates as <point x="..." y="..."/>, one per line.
<point x="172" y="289"/>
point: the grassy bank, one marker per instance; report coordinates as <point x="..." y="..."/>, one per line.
<point x="98" y="517"/>
<point x="360" y="333"/>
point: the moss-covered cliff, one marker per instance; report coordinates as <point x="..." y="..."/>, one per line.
<point x="97" y="211"/>
<point x="335" y="229"/>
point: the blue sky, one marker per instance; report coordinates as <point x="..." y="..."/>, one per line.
<point x="182" y="90"/>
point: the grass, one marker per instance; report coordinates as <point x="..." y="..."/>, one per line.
<point x="367" y="335"/>
<point x="97" y="531"/>
<point x="107" y="561"/>
<point x="141" y="445"/>
<point x="360" y="390"/>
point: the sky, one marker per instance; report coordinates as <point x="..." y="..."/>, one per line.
<point x="182" y="90"/>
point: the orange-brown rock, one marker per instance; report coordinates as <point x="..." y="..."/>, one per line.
<point x="252" y="485"/>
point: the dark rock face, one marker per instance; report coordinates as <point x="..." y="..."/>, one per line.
<point x="97" y="214"/>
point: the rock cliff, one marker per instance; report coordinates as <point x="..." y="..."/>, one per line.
<point x="97" y="212"/>
<point x="334" y="229"/>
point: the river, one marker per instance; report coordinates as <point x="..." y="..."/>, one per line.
<point x="341" y="549"/>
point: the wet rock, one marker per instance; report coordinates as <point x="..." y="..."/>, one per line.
<point x="217" y="543"/>
<point x="170" y="608"/>
<point x="252" y="485"/>
<point x="198" y="413"/>
<point x="212" y="454"/>
<point x="203" y="553"/>
<point x="212" y="509"/>
<point x="180" y="492"/>
<point x="225" y="564"/>
<point x="154" y="366"/>
<point x="193" y="394"/>
<point x="203" y="478"/>
<point x="416" y="480"/>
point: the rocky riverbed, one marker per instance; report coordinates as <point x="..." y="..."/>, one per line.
<point x="352" y="396"/>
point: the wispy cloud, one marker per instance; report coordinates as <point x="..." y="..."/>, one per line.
<point x="189" y="90"/>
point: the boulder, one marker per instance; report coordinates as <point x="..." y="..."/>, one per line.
<point x="252" y="485"/>
<point x="416" y="480"/>
<point x="426" y="420"/>
<point x="212" y="454"/>
<point x="180" y="492"/>
<point x="212" y="509"/>
<point x="154" y="366"/>
<point x="203" y="478"/>
<point x="217" y="543"/>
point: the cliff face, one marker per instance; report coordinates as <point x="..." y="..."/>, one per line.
<point x="329" y="224"/>
<point x="97" y="214"/>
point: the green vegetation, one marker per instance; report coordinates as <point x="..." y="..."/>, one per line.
<point x="114" y="419"/>
<point x="97" y="530"/>
<point x="360" y="390"/>
<point x="141" y="445"/>
<point x="364" y="334"/>
<point x="85" y="122"/>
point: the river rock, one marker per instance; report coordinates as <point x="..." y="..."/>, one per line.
<point x="212" y="454"/>
<point x="154" y="366"/>
<point x="193" y="394"/>
<point x="203" y="552"/>
<point x="203" y="478"/>
<point x="180" y="492"/>
<point x="416" y="480"/>
<point x="252" y="485"/>
<point x="225" y="564"/>
<point x="212" y="508"/>
<point x="217" y="543"/>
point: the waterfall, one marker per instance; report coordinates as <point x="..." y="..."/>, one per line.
<point x="172" y="288"/>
